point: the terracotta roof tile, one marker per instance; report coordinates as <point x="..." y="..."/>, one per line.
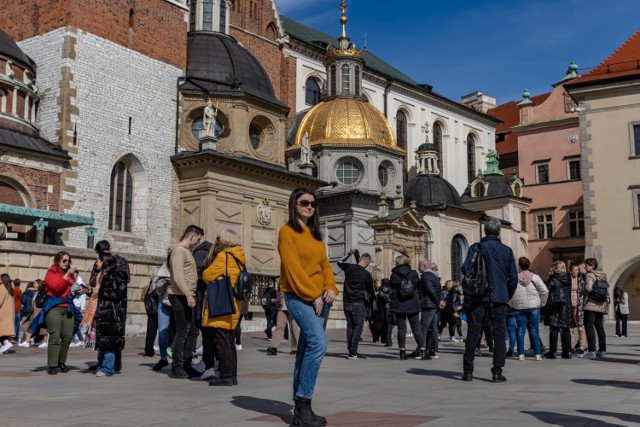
<point x="624" y="61"/>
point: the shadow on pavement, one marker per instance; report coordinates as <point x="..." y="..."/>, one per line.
<point x="610" y="383"/>
<point x="568" y="420"/>
<point x="623" y="417"/>
<point x="452" y="375"/>
<point x="265" y="406"/>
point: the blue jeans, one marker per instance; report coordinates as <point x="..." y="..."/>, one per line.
<point x="164" y="319"/>
<point x="77" y="333"/>
<point x="17" y="324"/>
<point x="511" y="328"/>
<point x="107" y="362"/>
<point x="312" y="344"/>
<point x="528" y="319"/>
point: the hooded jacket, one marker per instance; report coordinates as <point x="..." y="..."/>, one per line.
<point x="589" y="304"/>
<point x="531" y="292"/>
<point x="399" y="305"/>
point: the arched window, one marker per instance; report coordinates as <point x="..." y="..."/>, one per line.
<point x="131" y="20"/>
<point x="437" y="141"/>
<point x="223" y="17"/>
<point x="478" y="189"/>
<point x="250" y="10"/>
<point x="312" y="91"/>
<point x="357" y="81"/>
<point x="471" y="158"/>
<point x="207" y="15"/>
<point x="401" y="129"/>
<point x="459" y="247"/>
<point x="120" y="198"/>
<point x="345" y="79"/>
<point x="332" y="80"/>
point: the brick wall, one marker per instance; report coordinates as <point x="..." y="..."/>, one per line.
<point x="9" y="195"/>
<point x="159" y="28"/>
<point x="37" y="182"/>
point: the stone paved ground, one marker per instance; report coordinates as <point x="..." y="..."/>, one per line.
<point x="379" y="391"/>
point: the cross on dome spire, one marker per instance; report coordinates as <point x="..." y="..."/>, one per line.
<point x="343" y="19"/>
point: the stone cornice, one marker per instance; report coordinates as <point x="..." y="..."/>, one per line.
<point x="549" y="125"/>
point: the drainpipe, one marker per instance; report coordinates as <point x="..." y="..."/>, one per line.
<point x="178" y="82"/>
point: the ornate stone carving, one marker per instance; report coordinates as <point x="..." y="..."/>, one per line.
<point x="264" y="212"/>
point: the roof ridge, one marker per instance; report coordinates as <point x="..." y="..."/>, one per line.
<point x="620" y="48"/>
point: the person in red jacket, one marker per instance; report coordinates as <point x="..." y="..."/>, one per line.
<point x="58" y="281"/>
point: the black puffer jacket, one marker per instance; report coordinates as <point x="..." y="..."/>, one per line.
<point x="430" y="291"/>
<point x="398" y="304"/>
<point x="558" y="310"/>
<point x="111" y="314"/>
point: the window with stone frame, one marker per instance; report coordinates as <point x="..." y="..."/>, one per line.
<point x="332" y="80"/>
<point x="356" y="79"/>
<point x="437" y="140"/>
<point x="312" y="91"/>
<point x="3" y="101"/>
<point x="636" y="208"/>
<point x="383" y="176"/>
<point x="542" y="173"/>
<point x="207" y="15"/>
<point x="223" y="17"/>
<point x="349" y="171"/>
<point x="576" y="223"/>
<point x="471" y="158"/>
<point x="401" y="129"/>
<point x="523" y="220"/>
<point x="345" y="80"/>
<point x="573" y="167"/>
<point x="636" y="139"/>
<point x="192" y="14"/>
<point x="121" y="198"/>
<point x="544" y="224"/>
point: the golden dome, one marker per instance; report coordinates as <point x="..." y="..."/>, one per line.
<point x="346" y="121"/>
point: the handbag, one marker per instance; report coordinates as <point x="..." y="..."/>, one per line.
<point x="220" y="299"/>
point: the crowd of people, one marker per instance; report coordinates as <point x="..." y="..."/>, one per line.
<point x="185" y="297"/>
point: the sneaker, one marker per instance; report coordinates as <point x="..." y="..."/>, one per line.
<point x="101" y="374"/>
<point x="285" y="340"/>
<point x="43" y="345"/>
<point x="209" y="374"/>
<point x="478" y="352"/>
<point x="538" y="357"/>
<point x="521" y="357"/>
<point x="361" y="356"/>
<point x="156" y="348"/>
<point x="601" y="355"/>
<point x="24" y="344"/>
<point x="199" y="351"/>
<point x="179" y="374"/>
<point x="200" y="366"/>
<point x="81" y="344"/>
<point x="160" y="365"/>
<point x="352" y="357"/>
<point x="238" y="347"/>
<point x="434" y="355"/>
<point x="591" y="355"/>
<point x="6" y="346"/>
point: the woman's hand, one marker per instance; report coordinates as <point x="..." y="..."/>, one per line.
<point x="318" y="304"/>
<point x="329" y="296"/>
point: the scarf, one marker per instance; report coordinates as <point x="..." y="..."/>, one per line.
<point x="88" y="325"/>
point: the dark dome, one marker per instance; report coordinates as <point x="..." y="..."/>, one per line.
<point x="10" y="49"/>
<point x="427" y="147"/>
<point x="216" y="62"/>
<point x="498" y="186"/>
<point x="429" y="190"/>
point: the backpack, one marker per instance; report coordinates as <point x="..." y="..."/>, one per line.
<point x="600" y="291"/>
<point x="41" y="295"/>
<point x="406" y="288"/>
<point x="244" y="285"/>
<point x="475" y="283"/>
<point x="265" y="300"/>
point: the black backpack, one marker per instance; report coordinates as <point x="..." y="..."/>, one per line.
<point x="265" y="301"/>
<point x="406" y="288"/>
<point x="41" y="295"/>
<point x="600" y="291"/>
<point x="244" y="285"/>
<point x="475" y="283"/>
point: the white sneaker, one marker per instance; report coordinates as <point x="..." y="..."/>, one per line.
<point x="601" y="355"/>
<point x="44" y="344"/>
<point x="199" y="351"/>
<point x="6" y="346"/>
<point x="156" y="348"/>
<point x="209" y="374"/>
<point x="538" y="357"/>
<point x="24" y="344"/>
<point x="284" y="340"/>
<point x="200" y="366"/>
<point x="588" y="355"/>
<point x="32" y="341"/>
<point x="238" y="347"/>
<point x="521" y="357"/>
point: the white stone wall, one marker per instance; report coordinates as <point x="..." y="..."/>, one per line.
<point x="113" y="84"/>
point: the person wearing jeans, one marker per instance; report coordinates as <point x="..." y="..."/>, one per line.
<point x="164" y="330"/>
<point x="430" y="292"/>
<point x="594" y="312"/>
<point x="621" y="304"/>
<point x="308" y="282"/>
<point x="407" y="306"/>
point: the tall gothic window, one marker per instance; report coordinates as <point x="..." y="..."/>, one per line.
<point x="223" y="17"/>
<point x="437" y="140"/>
<point x="120" y="198"/>
<point x="357" y="81"/>
<point x="459" y="246"/>
<point x="332" y="79"/>
<point x="207" y="15"/>
<point x="471" y="158"/>
<point x="401" y="129"/>
<point x="312" y="91"/>
<point x="192" y="15"/>
<point x="345" y="79"/>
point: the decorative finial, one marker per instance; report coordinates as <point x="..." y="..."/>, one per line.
<point x="493" y="165"/>
<point x="525" y="99"/>
<point x="572" y="72"/>
<point x="343" y="18"/>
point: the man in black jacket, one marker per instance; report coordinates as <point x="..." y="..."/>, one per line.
<point x="430" y="291"/>
<point x="503" y="279"/>
<point x="358" y="290"/>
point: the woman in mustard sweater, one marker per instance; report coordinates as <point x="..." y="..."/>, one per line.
<point x="218" y="332"/>
<point x="308" y="284"/>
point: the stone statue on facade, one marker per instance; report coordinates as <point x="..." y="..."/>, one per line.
<point x="305" y="150"/>
<point x="209" y="120"/>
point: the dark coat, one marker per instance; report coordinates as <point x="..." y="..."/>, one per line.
<point x="398" y="304"/>
<point x="501" y="269"/>
<point x="558" y="312"/>
<point x="111" y="314"/>
<point x="454" y="300"/>
<point x="430" y="291"/>
<point x="27" y="302"/>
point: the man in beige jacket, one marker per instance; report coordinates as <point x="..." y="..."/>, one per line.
<point x="182" y="291"/>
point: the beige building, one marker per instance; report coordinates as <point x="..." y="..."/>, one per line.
<point x="608" y="101"/>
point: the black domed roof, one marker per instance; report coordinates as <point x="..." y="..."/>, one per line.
<point x="429" y="190"/>
<point x="216" y="62"/>
<point x="10" y="49"/>
<point x="498" y="186"/>
<point x="426" y="146"/>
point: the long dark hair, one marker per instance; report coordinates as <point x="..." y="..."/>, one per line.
<point x="618" y="293"/>
<point x="314" y="221"/>
<point x="58" y="257"/>
<point x="6" y="281"/>
<point x="108" y="260"/>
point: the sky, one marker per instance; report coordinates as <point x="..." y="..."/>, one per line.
<point x="498" y="47"/>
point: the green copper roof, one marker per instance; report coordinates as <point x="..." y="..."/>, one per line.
<point x="22" y="215"/>
<point x="572" y="72"/>
<point x="526" y="101"/>
<point x="322" y="40"/>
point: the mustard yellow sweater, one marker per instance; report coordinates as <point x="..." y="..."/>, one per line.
<point x="305" y="268"/>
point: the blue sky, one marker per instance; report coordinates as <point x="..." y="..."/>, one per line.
<point x="498" y="47"/>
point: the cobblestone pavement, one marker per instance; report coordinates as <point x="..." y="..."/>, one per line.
<point x="378" y="391"/>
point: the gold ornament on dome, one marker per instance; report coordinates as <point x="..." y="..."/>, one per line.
<point x="350" y="51"/>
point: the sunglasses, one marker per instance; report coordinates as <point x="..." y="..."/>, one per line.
<point x="307" y="203"/>
<point x="65" y="260"/>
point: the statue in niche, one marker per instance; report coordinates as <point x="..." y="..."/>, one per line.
<point x="305" y="150"/>
<point x="209" y="119"/>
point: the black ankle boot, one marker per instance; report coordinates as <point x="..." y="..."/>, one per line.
<point x="403" y="355"/>
<point x="424" y="355"/>
<point x="320" y="418"/>
<point x="303" y="415"/>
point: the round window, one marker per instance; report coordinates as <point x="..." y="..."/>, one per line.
<point x="383" y="176"/>
<point x="348" y="172"/>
